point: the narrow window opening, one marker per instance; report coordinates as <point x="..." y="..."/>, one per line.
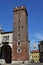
<point x="22" y="26"/>
<point x="19" y="50"/>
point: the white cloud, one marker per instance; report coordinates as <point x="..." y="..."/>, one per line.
<point x="35" y="37"/>
<point x="32" y="41"/>
<point x="39" y="36"/>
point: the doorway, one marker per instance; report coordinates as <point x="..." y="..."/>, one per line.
<point x="6" y="53"/>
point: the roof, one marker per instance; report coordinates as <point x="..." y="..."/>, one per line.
<point x="7" y="32"/>
<point x="33" y="51"/>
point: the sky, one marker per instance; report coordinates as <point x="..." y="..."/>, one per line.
<point x="35" y="18"/>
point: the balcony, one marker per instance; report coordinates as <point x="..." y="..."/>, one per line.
<point x="5" y="40"/>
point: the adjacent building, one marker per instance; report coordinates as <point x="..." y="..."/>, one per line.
<point x="35" y="55"/>
<point x="6" y="40"/>
<point x="40" y="46"/>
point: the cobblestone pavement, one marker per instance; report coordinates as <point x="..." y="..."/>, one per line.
<point x="36" y="64"/>
<point x="25" y="64"/>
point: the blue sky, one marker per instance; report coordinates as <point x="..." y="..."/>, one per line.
<point x="35" y="17"/>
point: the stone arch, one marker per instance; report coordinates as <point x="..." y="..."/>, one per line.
<point x="6" y="53"/>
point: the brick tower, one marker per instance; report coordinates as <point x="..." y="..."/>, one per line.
<point x="20" y="51"/>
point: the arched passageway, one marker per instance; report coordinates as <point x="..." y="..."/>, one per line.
<point x="6" y="53"/>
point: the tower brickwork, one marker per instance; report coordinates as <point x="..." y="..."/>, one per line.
<point x="20" y="35"/>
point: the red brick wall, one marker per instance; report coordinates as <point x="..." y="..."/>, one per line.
<point x="23" y="56"/>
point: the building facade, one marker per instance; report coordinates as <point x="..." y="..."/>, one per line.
<point x="40" y="46"/>
<point x="15" y="45"/>
<point x="6" y="41"/>
<point x="35" y="55"/>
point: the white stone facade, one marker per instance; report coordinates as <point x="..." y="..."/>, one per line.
<point x="5" y="34"/>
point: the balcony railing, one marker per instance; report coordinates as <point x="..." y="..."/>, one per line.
<point x="5" y="41"/>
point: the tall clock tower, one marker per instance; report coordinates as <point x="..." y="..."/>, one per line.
<point x="20" y="51"/>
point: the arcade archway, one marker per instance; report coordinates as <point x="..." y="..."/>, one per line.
<point x="6" y="53"/>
